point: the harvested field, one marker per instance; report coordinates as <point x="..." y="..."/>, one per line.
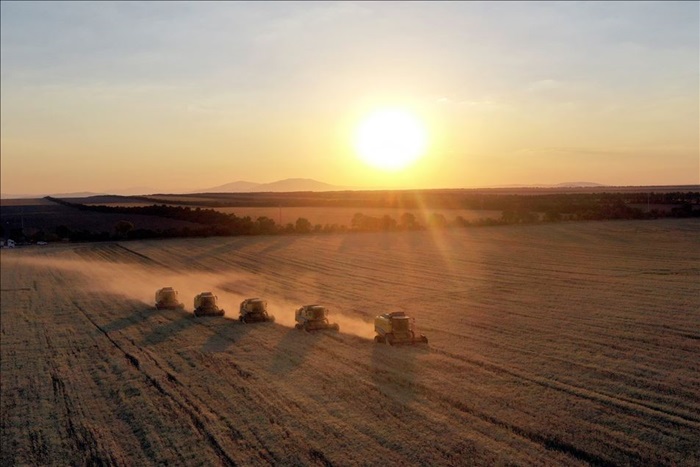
<point x="560" y="344"/>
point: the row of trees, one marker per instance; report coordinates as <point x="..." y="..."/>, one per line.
<point x="210" y="222"/>
<point x="536" y="200"/>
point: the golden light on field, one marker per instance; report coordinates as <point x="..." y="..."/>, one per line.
<point x="391" y="139"/>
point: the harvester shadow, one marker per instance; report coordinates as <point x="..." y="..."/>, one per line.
<point x="224" y="334"/>
<point x="183" y="320"/>
<point x="237" y="243"/>
<point x="394" y="370"/>
<point x="279" y="244"/>
<point x="367" y="240"/>
<point x="381" y="240"/>
<point x="291" y="351"/>
<point x="141" y="312"/>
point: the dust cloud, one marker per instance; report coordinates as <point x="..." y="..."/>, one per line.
<point x="351" y="325"/>
<point x="140" y="282"/>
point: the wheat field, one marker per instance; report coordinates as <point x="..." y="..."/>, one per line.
<point x="560" y="344"/>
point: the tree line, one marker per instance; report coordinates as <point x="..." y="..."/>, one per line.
<point x="536" y="200"/>
<point x="516" y="209"/>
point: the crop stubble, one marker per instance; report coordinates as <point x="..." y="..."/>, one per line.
<point x="558" y="344"/>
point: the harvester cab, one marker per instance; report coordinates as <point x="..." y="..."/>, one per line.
<point x="254" y="310"/>
<point x="205" y="304"/>
<point x="397" y="328"/>
<point x="313" y="318"/>
<point x="166" y="298"/>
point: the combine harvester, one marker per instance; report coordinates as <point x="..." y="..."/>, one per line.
<point x="254" y="310"/>
<point x="313" y="318"/>
<point x="166" y="298"/>
<point x="205" y="305"/>
<point x="396" y="328"/>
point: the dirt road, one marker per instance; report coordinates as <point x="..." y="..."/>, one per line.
<point x="560" y="344"/>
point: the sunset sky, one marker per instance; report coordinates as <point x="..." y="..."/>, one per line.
<point x="180" y="96"/>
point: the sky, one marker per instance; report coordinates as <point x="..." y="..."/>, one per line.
<point x="179" y="96"/>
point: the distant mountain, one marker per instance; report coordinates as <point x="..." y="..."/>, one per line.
<point x="577" y="184"/>
<point x="549" y="185"/>
<point x="298" y="184"/>
<point x="239" y="186"/>
<point x="134" y="190"/>
<point x="287" y="185"/>
<point x="80" y="194"/>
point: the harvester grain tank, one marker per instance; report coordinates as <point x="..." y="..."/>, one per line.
<point x="397" y="328"/>
<point x="254" y="310"/>
<point x="166" y="298"/>
<point x="313" y="318"/>
<point x="205" y="304"/>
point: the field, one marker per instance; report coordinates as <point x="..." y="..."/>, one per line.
<point x="558" y="344"/>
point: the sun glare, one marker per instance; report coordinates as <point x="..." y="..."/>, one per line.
<point x="390" y="139"/>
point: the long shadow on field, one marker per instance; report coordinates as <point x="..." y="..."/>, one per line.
<point x="237" y="243"/>
<point x="393" y="370"/>
<point x="291" y="351"/>
<point x="181" y="320"/>
<point x="367" y="240"/>
<point x="411" y="240"/>
<point x="140" y="312"/>
<point x="279" y="244"/>
<point x="225" y="333"/>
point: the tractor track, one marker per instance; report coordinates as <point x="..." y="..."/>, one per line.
<point x="549" y="443"/>
<point x="160" y="384"/>
<point x="633" y="407"/>
<point x="142" y="256"/>
<point x="628" y="405"/>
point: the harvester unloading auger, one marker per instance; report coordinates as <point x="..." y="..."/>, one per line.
<point x="205" y="305"/>
<point x="397" y="328"/>
<point x="166" y="298"/>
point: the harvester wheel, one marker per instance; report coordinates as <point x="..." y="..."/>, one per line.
<point x="378" y="339"/>
<point x="389" y="339"/>
<point x="336" y="327"/>
<point x="298" y="326"/>
<point x="242" y="319"/>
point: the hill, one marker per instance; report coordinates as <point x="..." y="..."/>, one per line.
<point x="286" y="185"/>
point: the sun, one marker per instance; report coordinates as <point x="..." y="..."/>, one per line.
<point x="390" y="139"/>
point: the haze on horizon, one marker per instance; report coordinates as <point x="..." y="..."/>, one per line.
<point x="183" y="95"/>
